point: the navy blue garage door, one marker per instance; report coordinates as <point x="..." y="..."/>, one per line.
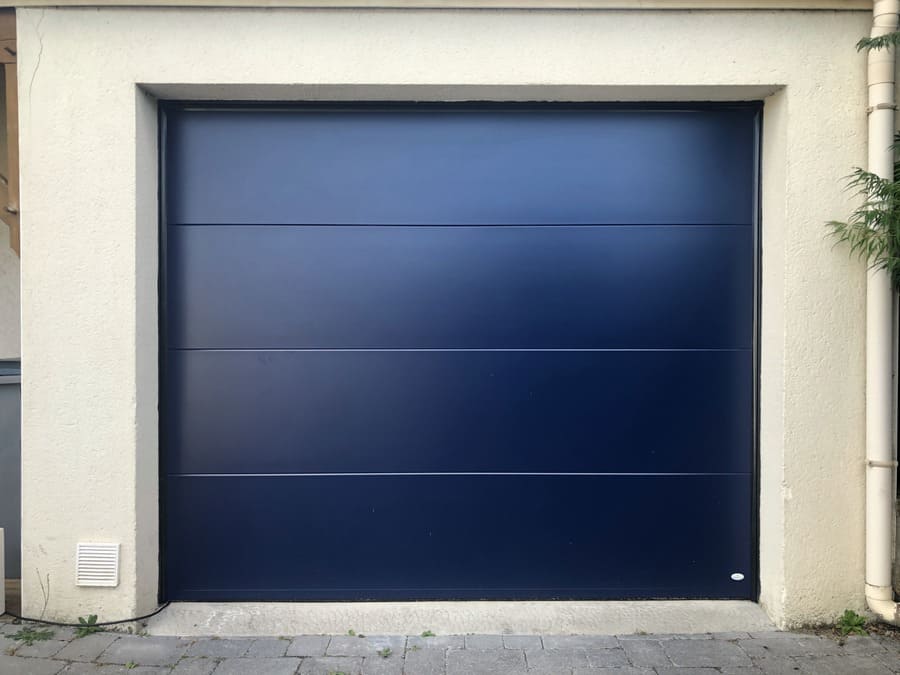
<point x="459" y="352"/>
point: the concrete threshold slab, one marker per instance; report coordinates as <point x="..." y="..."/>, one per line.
<point x="233" y="619"/>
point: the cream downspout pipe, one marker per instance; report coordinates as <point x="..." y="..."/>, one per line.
<point x="881" y="463"/>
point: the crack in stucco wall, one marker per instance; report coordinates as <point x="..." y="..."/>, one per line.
<point x="37" y="61"/>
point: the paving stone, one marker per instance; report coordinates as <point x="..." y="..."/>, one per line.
<point x="222" y="649"/>
<point x="329" y="665"/>
<point x="862" y="645"/>
<point x="63" y="632"/>
<point x="891" y="655"/>
<point x="789" y="645"/>
<point x="626" y="670"/>
<point x="705" y="653"/>
<point x="81" y="669"/>
<point x="42" y="649"/>
<point x="370" y="645"/>
<point x="770" y="647"/>
<point x="96" y="669"/>
<point x="7" y="643"/>
<point x="606" y="658"/>
<point x="640" y="635"/>
<point x="522" y="642"/>
<point x="376" y="665"/>
<point x="771" y="634"/>
<point x="774" y="653"/>
<point x="485" y="662"/>
<point x="777" y="665"/>
<point x="890" y="660"/>
<point x="580" y="641"/>
<point x="87" y="648"/>
<point x="842" y="665"/>
<point x="425" y="662"/>
<point x="484" y="642"/>
<point x="145" y="651"/>
<point x="646" y="653"/>
<point x="436" y="642"/>
<point x="732" y="635"/>
<point x="891" y="645"/>
<point x="556" y="659"/>
<point x="813" y="645"/>
<point x="268" y="647"/>
<point x="191" y="665"/>
<point x="283" y="666"/>
<point x="308" y="645"/>
<point x="13" y="665"/>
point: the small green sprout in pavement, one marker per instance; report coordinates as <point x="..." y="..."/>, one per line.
<point x="851" y="623"/>
<point x="29" y="635"/>
<point x="427" y="633"/>
<point x="87" y="626"/>
<point x="385" y="652"/>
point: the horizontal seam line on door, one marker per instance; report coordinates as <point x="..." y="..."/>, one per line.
<point x="459" y="473"/>
<point x="364" y="349"/>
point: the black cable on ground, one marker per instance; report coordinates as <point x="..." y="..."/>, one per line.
<point x="82" y="625"/>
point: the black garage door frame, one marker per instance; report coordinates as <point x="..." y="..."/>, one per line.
<point x="165" y="107"/>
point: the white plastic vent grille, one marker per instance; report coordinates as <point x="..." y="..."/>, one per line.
<point x="97" y="565"/>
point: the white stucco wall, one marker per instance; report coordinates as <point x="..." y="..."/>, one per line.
<point x="9" y="298"/>
<point x="87" y="116"/>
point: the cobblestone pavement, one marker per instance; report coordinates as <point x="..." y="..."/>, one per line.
<point x="774" y="653"/>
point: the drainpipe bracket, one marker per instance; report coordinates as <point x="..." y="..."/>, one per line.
<point x="880" y="106"/>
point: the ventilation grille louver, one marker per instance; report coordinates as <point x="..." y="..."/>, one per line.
<point x="97" y="565"/>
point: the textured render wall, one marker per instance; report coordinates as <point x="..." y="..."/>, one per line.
<point x="88" y="279"/>
<point x="9" y="298"/>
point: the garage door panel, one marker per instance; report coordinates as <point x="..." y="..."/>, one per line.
<point x="465" y="166"/>
<point x="458" y="352"/>
<point x="392" y="537"/>
<point x="402" y="411"/>
<point x="475" y="287"/>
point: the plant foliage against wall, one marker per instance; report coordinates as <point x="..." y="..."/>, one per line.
<point x="873" y="229"/>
